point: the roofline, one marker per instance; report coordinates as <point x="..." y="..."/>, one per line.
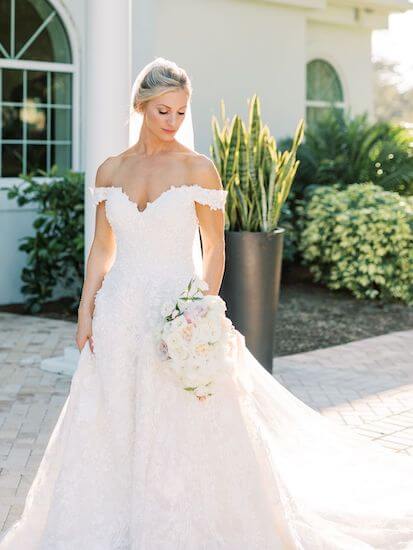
<point x="382" y="6"/>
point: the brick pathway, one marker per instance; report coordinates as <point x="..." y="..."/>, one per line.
<point x="30" y="401"/>
<point x="367" y="385"/>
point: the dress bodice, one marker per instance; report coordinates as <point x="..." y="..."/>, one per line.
<point x="155" y="246"/>
<point x="163" y="233"/>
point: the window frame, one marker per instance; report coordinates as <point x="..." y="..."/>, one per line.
<point x="55" y="67"/>
<point x="321" y="103"/>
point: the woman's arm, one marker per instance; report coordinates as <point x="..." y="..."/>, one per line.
<point x="99" y="261"/>
<point x="211" y="225"/>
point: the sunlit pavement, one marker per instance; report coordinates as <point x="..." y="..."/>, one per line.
<point x="367" y="385"/>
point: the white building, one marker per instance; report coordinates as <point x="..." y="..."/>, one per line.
<point x="67" y="66"/>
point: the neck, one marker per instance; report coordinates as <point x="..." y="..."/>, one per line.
<point x="149" y="144"/>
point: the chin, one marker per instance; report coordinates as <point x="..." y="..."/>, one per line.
<point x="171" y="137"/>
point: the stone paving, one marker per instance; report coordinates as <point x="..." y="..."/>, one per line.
<point x="367" y="385"/>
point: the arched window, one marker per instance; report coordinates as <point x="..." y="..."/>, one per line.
<point x="35" y="88"/>
<point x="324" y="90"/>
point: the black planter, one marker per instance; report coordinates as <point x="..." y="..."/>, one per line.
<point x="251" y="287"/>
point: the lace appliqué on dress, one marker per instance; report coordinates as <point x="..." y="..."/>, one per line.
<point x="98" y="194"/>
<point x="215" y="198"/>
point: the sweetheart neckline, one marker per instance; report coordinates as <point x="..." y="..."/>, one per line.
<point x="151" y="203"/>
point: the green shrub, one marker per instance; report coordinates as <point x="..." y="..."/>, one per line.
<point x="55" y="250"/>
<point x="344" y="150"/>
<point x="361" y="239"/>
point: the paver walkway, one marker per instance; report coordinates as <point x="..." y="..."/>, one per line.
<point x="367" y="385"/>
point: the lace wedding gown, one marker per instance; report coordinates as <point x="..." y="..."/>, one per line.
<point x="136" y="463"/>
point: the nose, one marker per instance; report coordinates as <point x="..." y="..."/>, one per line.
<point x="171" y="121"/>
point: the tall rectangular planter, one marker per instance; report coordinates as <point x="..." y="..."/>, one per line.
<point x="251" y="287"/>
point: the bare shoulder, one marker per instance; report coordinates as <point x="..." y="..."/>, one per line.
<point x="204" y="172"/>
<point x="106" y="170"/>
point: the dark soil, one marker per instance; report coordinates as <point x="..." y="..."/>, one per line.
<point x="59" y="309"/>
<point x="310" y="316"/>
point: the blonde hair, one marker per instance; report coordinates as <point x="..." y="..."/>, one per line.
<point x="159" y="76"/>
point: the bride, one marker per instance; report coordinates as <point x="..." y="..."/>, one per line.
<point x="134" y="462"/>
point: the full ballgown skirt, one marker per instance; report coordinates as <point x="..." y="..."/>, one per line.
<point x="136" y="463"/>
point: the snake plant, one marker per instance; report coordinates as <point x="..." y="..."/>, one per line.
<point x="257" y="176"/>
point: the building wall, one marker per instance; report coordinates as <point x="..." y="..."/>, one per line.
<point x="231" y="50"/>
<point x="348" y="49"/>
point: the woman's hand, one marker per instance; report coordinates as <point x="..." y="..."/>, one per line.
<point x="84" y="330"/>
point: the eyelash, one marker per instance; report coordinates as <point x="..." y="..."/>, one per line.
<point x="166" y="112"/>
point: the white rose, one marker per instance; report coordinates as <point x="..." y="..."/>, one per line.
<point x="218" y="305"/>
<point x="186" y="331"/>
<point x="201" y="334"/>
<point x="209" y="329"/>
<point x="176" y="346"/>
<point x="201" y="349"/>
<point x="215" y="328"/>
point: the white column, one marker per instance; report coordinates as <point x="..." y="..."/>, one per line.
<point x="107" y="74"/>
<point x="108" y="84"/>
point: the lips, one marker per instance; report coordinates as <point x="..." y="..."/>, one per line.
<point x="168" y="131"/>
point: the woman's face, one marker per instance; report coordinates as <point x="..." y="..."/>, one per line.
<point x="165" y="113"/>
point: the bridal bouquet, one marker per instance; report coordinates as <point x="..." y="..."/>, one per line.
<point x="196" y="339"/>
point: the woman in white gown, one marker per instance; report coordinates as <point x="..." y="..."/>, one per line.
<point x="136" y="463"/>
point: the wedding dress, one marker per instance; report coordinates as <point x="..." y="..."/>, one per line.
<point x="136" y="463"/>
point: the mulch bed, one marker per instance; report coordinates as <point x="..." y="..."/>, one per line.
<point x="310" y="316"/>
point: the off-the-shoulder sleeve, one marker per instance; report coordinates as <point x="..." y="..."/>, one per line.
<point x="215" y="198"/>
<point x="98" y="194"/>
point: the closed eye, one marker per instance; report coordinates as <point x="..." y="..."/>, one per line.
<point x="166" y="112"/>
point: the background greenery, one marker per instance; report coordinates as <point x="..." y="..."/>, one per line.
<point x="340" y="150"/>
<point x="361" y="239"/>
<point x="55" y="250"/>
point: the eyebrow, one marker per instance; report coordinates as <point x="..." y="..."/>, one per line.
<point x="164" y="104"/>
